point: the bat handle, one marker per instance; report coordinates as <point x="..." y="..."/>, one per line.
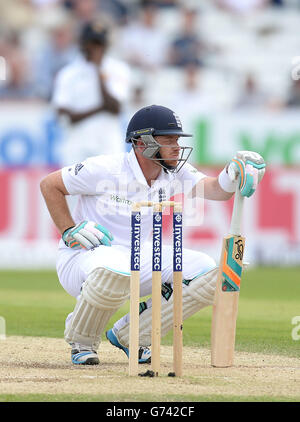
<point x="236" y="219"/>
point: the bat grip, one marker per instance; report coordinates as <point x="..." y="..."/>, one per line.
<point x="236" y="218"/>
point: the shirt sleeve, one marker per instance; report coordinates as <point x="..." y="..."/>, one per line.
<point x="84" y="178"/>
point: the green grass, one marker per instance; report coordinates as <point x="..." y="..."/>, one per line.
<point x="112" y="399"/>
<point x="34" y="304"/>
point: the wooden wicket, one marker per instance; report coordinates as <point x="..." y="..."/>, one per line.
<point x="156" y="286"/>
<point x="134" y="289"/>
<point x="177" y="290"/>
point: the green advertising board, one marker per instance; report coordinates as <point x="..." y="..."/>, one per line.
<point x="275" y="136"/>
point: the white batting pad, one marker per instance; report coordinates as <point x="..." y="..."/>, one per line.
<point x="198" y="294"/>
<point x="103" y="293"/>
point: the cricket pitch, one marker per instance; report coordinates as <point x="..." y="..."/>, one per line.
<point x="41" y="365"/>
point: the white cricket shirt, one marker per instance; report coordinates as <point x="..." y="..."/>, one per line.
<point x="107" y="185"/>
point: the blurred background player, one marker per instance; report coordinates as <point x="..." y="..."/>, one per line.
<point x="89" y="94"/>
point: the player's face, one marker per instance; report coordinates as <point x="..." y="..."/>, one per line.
<point x="94" y="52"/>
<point x="170" y="149"/>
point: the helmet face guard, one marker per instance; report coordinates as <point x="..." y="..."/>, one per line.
<point x="152" y="149"/>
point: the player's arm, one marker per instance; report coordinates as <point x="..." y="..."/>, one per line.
<point x="246" y="169"/>
<point x="63" y="104"/>
<point x="109" y="104"/>
<point x="54" y="193"/>
<point x="63" y="100"/>
<point x="76" y="117"/>
<point x="210" y="188"/>
<point x="214" y="191"/>
<point x="86" y="234"/>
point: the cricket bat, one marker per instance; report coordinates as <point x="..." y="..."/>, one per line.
<point x="226" y="298"/>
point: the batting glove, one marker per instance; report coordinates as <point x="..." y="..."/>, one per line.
<point x="248" y="168"/>
<point x="87" y="235"/>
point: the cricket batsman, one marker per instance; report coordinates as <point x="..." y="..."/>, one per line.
<point x="93" y="262"/>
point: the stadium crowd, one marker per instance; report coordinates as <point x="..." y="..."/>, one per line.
<point x="172" y="46"/>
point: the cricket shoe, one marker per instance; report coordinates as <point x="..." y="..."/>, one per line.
<point x="83" y="355"/>
<point x="144" y="352"/>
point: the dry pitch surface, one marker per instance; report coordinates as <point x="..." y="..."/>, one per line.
<point x="31" y="365"/>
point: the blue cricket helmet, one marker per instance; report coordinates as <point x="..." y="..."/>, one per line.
<point x="154" y="120"/>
